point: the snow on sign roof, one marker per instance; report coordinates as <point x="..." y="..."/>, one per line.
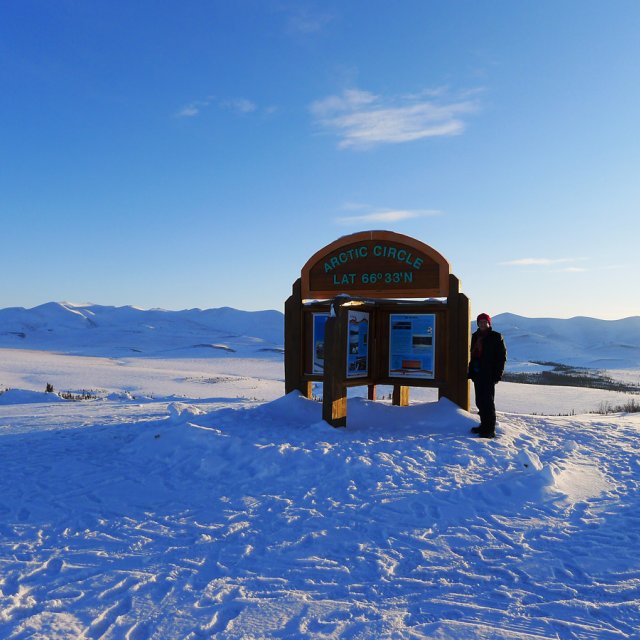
<point x="377" y="264"/>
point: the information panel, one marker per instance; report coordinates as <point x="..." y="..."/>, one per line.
<point x="412" y="345"/>
<point x="358" y="346"/>
<point x="319" y="322"/>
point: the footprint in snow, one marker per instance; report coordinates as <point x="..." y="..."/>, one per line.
<point x="222" y="619"/>
<point x="421" y="614"/>
<point x="9" y="586"/>
<point x="139" y="631"/>
<point x="108" y="618"/>
<point x="54" y="566"/>
<point x="506" y="490"/>
<point x="320" y="626"/>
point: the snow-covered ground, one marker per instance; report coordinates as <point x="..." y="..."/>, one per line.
<point x="192" y="500"/>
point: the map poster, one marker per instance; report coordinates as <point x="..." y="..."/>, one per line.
<point x="319" y="322"/>
<point x="358" y="345"/>
<point x="412" y="345"/>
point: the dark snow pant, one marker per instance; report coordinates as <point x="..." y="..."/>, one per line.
<point x="485" y="401"/>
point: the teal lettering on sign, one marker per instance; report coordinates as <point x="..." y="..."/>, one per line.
<point x="345" y="278"/>
<point x="401" y="255"/>
<point x="379" y="251"/>
<point x="346" y="256"/>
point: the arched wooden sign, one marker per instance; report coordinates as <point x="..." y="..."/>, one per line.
<point x="376" y="264"/>
<point x="374" y="336"/>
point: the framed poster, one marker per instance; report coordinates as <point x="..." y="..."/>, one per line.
<point x="358" y="345"/>
<point x="412" y="345"/>
<point x="319" y="322"/>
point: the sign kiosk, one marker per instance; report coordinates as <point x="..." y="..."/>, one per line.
<point x="354" y="318"/>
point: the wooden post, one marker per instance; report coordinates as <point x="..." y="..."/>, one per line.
<point x="400" y="395"/>
<point x="293" y="343"/>
<point x="334" y="392"/>
<point x="372" y="392"/>
<point x="464" y="336"/>
<point x="456" y="386"/>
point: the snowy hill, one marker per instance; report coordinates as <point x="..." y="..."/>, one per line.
<point x="585" y="342"/>
<point x="89" y="329"/>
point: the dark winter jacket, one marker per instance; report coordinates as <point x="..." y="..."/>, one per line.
<point x="490" y="364"/>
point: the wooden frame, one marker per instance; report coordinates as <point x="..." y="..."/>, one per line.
<point x="452" y="329"/>
<point x="352" y="264"/>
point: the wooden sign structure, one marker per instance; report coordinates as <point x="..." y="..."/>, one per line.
<point x="354" y="319"/>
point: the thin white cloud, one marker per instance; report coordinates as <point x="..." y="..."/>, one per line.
<point x="190" y="111"/>
<point x="392" y="215"/>
<point x="235" y="105"/>
<point x="542" y="262"/>
<point x="362" y="119"/>
<point x="193" y="109"/>
<point x="303" y="21"/>
<point x="239" y="105"/>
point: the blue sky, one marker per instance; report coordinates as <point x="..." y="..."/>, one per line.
<point x="196" y="154"/>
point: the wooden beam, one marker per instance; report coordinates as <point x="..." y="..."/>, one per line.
<point x="456" y="387"/>
<point x="400" y="395"/>
<point x="293" y="343"/>
<point x="334" y="392"/>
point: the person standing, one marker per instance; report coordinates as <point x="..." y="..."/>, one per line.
<point x="486" y="366"/>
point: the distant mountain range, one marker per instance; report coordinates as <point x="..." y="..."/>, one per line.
<point x="88" y="329"/>
<point x="580" y="341"/>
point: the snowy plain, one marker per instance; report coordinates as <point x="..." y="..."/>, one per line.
<point x="191" y="499"/>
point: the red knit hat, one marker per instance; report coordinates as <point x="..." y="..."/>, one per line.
<point x="484" y="316"/>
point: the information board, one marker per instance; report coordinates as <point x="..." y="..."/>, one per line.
<point x="412" y="345"/>
<point x="358" y="345"/>
<point x="319" y="322"/>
